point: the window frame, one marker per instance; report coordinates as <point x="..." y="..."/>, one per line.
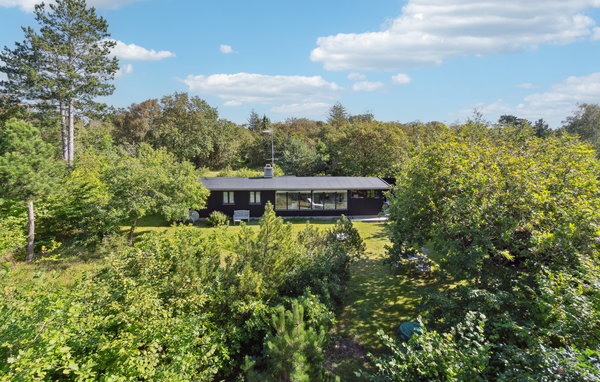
<point x="252" y="198"/>
<point x="228" y="198"/>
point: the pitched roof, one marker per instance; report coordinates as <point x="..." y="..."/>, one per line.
<point x="294" y="183"/>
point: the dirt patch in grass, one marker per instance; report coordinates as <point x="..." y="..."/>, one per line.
<point x="343" y="356"/>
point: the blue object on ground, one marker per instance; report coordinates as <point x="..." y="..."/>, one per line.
<point x="407" y="329"/>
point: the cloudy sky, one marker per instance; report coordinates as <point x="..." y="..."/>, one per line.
<point x="401" y="60"/>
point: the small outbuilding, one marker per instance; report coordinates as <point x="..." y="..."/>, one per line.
<point x="296" y="195"/>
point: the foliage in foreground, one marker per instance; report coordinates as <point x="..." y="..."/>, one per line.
<point x="182" y="306"/>
<point x="459" y="355"/>
<point x="515" y="218"/>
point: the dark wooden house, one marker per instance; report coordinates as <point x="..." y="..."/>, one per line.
<point x="296" y="196"/>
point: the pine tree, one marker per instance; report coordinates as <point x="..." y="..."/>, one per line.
<point x="27" y="169"/>
<point x="294" y="353"/>
<point x="254" y="121"/>
<point x="64" y="66"/>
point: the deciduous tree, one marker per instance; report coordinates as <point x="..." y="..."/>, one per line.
<point x="27" y="169"/>
<point x="153" y="181"/>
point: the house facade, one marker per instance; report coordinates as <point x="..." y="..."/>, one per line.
<point x="296" y="196"/>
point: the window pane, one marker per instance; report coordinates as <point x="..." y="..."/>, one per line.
<point x="257" y="197"/>
<point x="280" y="200"/>
<point x="292" y="201"/>
<point x="305" y="200"/>
<point x="317" y="203"/>
<point x="227" y="197"/>
<point x="342" y="201"/>
<point x="329" y="200"/>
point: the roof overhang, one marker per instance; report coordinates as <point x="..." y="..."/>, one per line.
<point x="293" y="183"/>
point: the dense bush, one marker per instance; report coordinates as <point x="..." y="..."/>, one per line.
<point x="145" y="316"/>
<point x="248" y="172"/>
<point x="294" y="352"/>
<point x="459" y="355"/>
<point x="217" y="218"/>
<point x="514" y="218"/>
<point x="179" y="305"/>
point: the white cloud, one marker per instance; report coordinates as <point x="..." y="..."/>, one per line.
<point x="132" y="52"/>
<point x="431" y="31"/>
<point x="232" y="103"/>
<point x="354" y="76"/>
<point x="312" y="108"/>
<point x="226" y="49"/>
<point x="553" y="105"/>
<point x="525" y="85"/>
<point x="123" y="70"/>
<point x="251" y="87"/>
<point x="29" y="5"/>
<point x="367" y="86"/>
<point x="596" y="35"/>
<point x="401" y="79"/>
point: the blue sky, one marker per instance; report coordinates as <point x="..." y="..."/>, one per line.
<point x="401" y="60"/>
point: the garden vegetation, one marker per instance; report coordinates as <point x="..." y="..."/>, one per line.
<point x="507" y="215"/>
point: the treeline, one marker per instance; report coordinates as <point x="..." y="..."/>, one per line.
<point x="191" y="129"/>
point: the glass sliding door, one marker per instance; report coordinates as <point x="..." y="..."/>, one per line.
<point x="315" y="200"/>
<point x="305" y="198"/>
<point x="341" y="201"/>
<point x="281" y="200"/>
<point x="293" y="201"/>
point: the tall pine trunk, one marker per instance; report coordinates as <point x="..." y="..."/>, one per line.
<point x="131" y="230"/>
<point x="71" y="131"/>
<point x="63" y="130"/>
<point x="31" y="236"/>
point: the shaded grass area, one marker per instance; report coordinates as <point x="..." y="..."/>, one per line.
<point x="376" y="298"/>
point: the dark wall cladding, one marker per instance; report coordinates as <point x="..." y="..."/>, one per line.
<point x="302" y="203"/>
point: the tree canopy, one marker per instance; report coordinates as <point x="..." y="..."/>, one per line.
<point x="514" y="218"/>
<point x="64" y="66"/>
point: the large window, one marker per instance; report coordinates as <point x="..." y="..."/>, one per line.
<point x="292" y="200"/>
<point x="304" y="198"/>
<point x="341" y="201"/>
<point x="228" y="197"/>
<point x="311" y="200"/>
<point x="254" y="197"/>
<point x="281" y="200"/>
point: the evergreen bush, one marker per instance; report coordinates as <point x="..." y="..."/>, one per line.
<point x="217" y="219"/>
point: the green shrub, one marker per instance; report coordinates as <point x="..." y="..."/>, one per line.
<point x="179" y="305"/>
<point x="460" y="355"/>
<point x="294" y="352"/>
<point x="347" y="235"/>
<point x="513" y="219"/>
<point x="217" y="218"/>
